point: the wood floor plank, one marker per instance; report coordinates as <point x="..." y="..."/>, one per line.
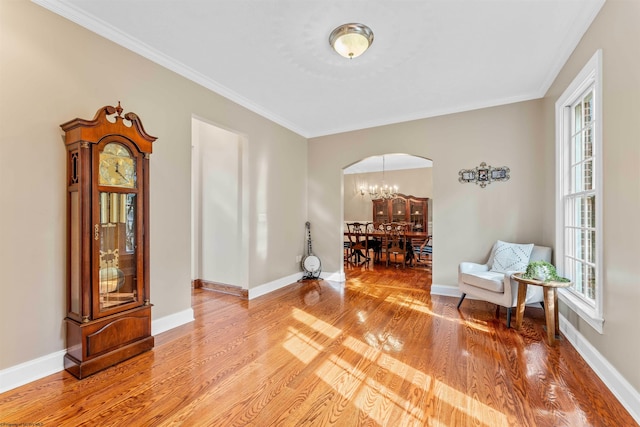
<point x="378" y="350"/>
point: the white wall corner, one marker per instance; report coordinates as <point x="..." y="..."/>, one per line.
<point x="31" y="370"/>
<point x="619" y="386"/>
<point x="171" y="321"/>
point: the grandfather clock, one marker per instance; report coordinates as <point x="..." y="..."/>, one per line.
<point x="108" y="307"/>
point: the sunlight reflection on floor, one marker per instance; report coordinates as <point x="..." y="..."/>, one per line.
<point x="417" y="305"/>
<point x="302" y="346"/>
<point x="356" y="383"/>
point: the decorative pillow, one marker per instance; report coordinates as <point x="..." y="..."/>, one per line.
<point x="510" y="256"/>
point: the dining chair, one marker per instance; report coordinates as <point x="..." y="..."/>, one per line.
<point x="395" y="242"/>
<point x="358" y="243"/>
<point x="374" y="240"/>
<point x="422" y="249"/>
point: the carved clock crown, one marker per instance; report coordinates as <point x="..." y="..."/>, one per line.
<point x="109" y="120"/>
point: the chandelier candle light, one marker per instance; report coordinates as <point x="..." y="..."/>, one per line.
<point x="384" y="192"/>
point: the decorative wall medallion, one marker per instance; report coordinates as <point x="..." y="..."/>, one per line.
<point x="484" y="174"/>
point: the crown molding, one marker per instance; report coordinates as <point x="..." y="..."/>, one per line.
<point x="121" y="38"/>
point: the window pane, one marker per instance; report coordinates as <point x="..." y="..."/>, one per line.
<point x="577" y="243"/>
<point x="588" y="103"/>
<point x="588" y="247"/>
<point x="582" y="212"/>
<point x="573" y="213"/>
<point x="588" y="143"/>
<point x="570" y="247"/>
<point x="589" y="283"/>
<point x="577" y="276"/>
<point x="588" y="211"/>
<point x="588" y="175"/>
<point x="578" y="154"/>
<point x="577" y="178"/>
<point x="584" y="279"/>
<point x="577" y="118"/>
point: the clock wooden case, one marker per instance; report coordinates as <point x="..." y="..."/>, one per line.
<point x="108" y="305"/>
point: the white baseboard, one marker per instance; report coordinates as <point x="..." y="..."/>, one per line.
<point x="171" y="321"/>
<point x="273" y="285"/>
<point x="444" y="290"/>
<point x="288" y="280"/>
<point x="620" y="387"/>
<point x="33" y="370"/>
<point x="336" y="276"/>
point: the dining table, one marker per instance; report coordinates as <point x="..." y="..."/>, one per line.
<point x="380" y="233"/>
<point x="378" y="236"/>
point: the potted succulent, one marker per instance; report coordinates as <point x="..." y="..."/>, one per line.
<point x="543" y="271"/>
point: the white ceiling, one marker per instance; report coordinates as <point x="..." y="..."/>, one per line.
<point x="429" y="57"/>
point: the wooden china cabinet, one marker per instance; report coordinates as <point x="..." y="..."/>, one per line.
<point x="108" y="307"/>
<point x="402" y="208"/>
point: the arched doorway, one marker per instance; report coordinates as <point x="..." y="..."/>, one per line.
<point x="406" y="174"/>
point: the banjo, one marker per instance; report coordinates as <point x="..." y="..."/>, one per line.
<point x="311" y="264"/>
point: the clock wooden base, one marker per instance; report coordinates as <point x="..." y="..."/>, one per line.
<point x="99" y="344"/>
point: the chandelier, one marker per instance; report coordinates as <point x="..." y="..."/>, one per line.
<point x="384" y="191"/>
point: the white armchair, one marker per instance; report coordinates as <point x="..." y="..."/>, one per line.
<point x="493" y="283"/>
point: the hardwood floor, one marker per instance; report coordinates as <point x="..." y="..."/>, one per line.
<point x="375" y="351"/>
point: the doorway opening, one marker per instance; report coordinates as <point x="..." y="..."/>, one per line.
<point x="409" y="179"/>
<point x="218" y="214"/>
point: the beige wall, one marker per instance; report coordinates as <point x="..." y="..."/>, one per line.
<point x="410" y="182"/>
<point x="53" y="71"/>
<point x="616" y="30"/>
<point x="467" y="219"/>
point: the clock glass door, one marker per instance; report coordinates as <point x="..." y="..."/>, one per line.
<point x="117" y="229"/>
<point x="117" y="271"/>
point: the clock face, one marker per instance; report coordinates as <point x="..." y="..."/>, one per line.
<point x="117" y="167"/>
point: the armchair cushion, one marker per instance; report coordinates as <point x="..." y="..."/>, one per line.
<point x="509" y="257"/>
<point x="490" y="280"/>
<point x="472" y="267"/>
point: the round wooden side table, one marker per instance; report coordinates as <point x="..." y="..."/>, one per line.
<point x="550" y="303"/>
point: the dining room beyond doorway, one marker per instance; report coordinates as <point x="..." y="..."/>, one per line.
<point x="387" y="220"/>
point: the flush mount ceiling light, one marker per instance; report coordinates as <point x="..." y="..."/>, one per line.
<point x="351" y="40"/>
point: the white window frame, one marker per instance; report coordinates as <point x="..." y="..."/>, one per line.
<point x="591" y="75"/>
